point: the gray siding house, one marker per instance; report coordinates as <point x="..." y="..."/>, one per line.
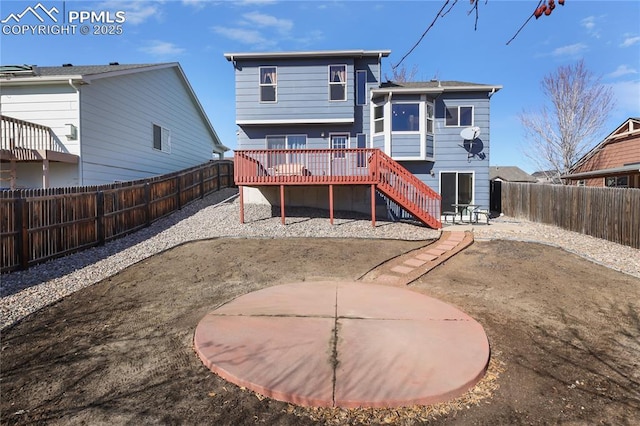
<point x="336" y="100"/>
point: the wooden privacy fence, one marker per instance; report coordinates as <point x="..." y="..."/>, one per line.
<point x="612" y="214"/>
<point x="42" y="224"/>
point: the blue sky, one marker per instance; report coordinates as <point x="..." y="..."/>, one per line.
<point x="196" y="33"/>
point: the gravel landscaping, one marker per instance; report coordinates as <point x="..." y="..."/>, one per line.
<point x="24" y="292"/>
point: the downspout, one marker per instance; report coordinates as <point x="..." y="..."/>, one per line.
<point x="492" y="92"/>
<point x="80" y="162"/>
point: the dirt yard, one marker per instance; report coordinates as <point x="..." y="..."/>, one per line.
<point x="564" y="333"/>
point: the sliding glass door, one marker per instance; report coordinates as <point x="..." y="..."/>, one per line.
<point x="456" y="188"/>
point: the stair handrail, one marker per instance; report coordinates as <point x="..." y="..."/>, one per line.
<point x="406" y="181"/>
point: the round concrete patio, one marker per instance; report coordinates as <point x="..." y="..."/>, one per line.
<point x="344" y="344"/>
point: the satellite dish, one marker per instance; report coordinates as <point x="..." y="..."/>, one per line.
<point x="470" y="133"/>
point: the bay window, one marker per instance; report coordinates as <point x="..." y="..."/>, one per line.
<point x="405" y="117"/>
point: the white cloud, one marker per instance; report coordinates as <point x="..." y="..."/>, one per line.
<point x="622" y="70"/>
<point x="162" y="48"/>
<point x="627" y="95"/>
<point x="245" y="36"/>
<point x="590" y="24"/>
<point x="254" y="2"/>
<point x="263" y="20"/>
<point x="570" y="50"/>
<point x="197" y="4"/>
<point x="630" y="41"/>
<point x="136" y="12"/>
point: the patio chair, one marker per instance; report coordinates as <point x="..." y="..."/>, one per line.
<point x="477" y="212"/>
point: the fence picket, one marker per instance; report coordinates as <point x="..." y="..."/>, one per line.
<point x="612" y="214"/>
<point x="42" y="224"/>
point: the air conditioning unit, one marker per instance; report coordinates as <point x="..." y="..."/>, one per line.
<point x="71" y="132"/>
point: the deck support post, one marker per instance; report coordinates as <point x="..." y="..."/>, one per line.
<point x="373" y="205"/>
<point x="282" y="204"/>
<point x="331" y="204"/>
<point x="45" y="173"/>
<point x="241" y="203"/>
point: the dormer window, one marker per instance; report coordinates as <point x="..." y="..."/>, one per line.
<point x="268" y="84"/>
<point x="337" y="82"/>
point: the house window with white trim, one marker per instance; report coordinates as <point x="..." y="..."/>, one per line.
<point x="161" y="139"/>
<point x="405" y="117"/>
<point x="268" y="84"/>
<point x="339" y="142"/>
<point x="282" y="142"/>
<point x="337" y="82"/>
<point x="430" y="117"/>
<point x="459" y="116"/>
<point x="378" y="119"/>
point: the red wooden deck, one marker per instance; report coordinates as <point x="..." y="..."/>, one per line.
<point x="331" y="167"/>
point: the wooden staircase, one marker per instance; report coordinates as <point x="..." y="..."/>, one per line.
<point x="358" y="166"/>
<point x="406" y="190"/>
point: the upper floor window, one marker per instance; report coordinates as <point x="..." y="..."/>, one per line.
<point x="405" y="117"/>
<point x="268" y="84"/>
<point x="430" y="116"/>
<point x="378" y="119"/>
<point x="361" y="87"/>
<point x="161" y="139"/>
<point x="459" y="116"/>
<point x="337" y="82"/>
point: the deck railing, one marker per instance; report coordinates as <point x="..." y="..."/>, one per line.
<point x="408" y="191"/>
<point x="360" y="166"/>
<point x="20" y="134"/>
<point x="303" y="166"/>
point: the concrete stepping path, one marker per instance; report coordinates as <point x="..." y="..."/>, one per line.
<point x="407" y="268"/>
<point x="344" y="344"/>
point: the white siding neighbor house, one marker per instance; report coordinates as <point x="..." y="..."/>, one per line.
<point x="101" y="124"/>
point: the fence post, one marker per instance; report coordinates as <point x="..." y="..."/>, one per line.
<point x="218" y="176"/>
<point x="147" y="203"/>
<point x="178" y="193"/>
<point x="22" y="214"/>
<point x="201" y="183"/>
<point x="100" y="217"/>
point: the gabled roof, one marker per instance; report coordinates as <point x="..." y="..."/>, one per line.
<point x="510" y="174"/>
<point x="630" y="127"/>
<point x="85" y="74"/>
<point x="434" y="86"/>
<point x="308" y="54"/>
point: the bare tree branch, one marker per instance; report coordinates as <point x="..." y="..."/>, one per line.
<point x="426" y="31"/>
<point x="561" y="133"/>
<point x="475" y="6"/>
<point x="525" y="23"/>
<point x="401" y="75"/>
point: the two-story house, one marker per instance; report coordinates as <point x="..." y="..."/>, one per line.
<point x="95" y="124"/>
<point x="312" y="120"/>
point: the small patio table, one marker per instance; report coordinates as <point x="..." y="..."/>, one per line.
<point x="462" y="207"/>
